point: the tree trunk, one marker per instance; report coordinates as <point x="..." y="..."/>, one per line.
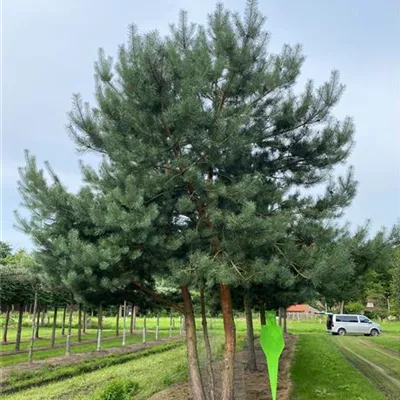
<point x="230" y="343"/>
<point x="195" y="381"/>
<point x="341" y="307"/>
<point x="30" y="354"/>
<point x="80" y="323"/>
<point x="37" y="321"/>
<point x="170" y="325"/>
<point x="6" y="322"/>
<point x="144" y="329"/>
<point x="124" y="327"/>
<point x="180" y="326"/>
<point x="280" y="316"/>
<point x="68" y="343"/>
<point x="132" y="320"/>
<point x="157" y="327"/>
<point x="53" y="331"/>
<point x="19" y="328"/>
<point x="284" y="320"/>
<point x="84" y="321"/>
<point x="388" y="304"/>
<point x="207" y="345"/>
<point x="99" y="326"/>
<point x="262" y="314"/>
<point x="63" y="321"/>
<point x="117" y="322"/>
<point x="251" y="352"/>
<point x="44" y="313"/>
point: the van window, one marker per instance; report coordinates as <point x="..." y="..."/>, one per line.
<point x="364" y="320"/>
<point x="346" y="318"/>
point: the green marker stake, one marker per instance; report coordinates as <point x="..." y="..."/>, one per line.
<point x="272" y="343"/>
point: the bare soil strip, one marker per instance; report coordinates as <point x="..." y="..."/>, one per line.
<point x="248" y="385"/>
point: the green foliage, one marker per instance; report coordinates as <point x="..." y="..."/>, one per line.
<point x="395" y="282"/>
<point x="118" y="389"/>
<point x="5" y="251"/>
<point x="355" y="307"/>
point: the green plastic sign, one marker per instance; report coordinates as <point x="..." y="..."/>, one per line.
<point x="272" y="343"/>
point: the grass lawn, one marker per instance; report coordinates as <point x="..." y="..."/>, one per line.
<point x="8" y="360"/>
<point x="320" y="370"/>
<point x="152" y="373"/>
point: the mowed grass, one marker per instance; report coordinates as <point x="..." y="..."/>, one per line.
<point x="319" y="370"/>
<point x="153" y="374"/>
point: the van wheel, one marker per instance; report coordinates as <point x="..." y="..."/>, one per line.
<point x="374" y="332"/>
<point x="341" y="332"/>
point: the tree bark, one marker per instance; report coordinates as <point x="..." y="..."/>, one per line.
<point x="99" y="326"/>
<point x="280" y="316"/>
<point x="117" y="322"/>
<point x="131" y="329"/>
<point x="30" y="354"/>
<point x="53" y="331"/>
<point x="68" y="343"/>
<point x="207" y="345"/>
<point x="195" y="381"/>
<point x="19" y="327"/>
<point x="230" y="343"/>
<point x="251" y="353"/>
<point x="37" y="321"/>
<point x="171" y="324"/>
<point x="157" y="327"/>
<point x="6" y="322"/>
<point x="44" y="313"/>
<point x="262" y="314"/>
<point x="84" y="321"/>
<point x="124" y="327"/>
<point x="144" y="330"/>
<point x="63" y="321"/>
<point x="284" y="320"/>
<point x="80" y="323"/>
<point x="341" y="307"/>
<point x="388" y="304"/>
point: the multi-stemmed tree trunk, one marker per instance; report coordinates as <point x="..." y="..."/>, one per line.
<point x="251" y="353"/>
<point x="230" y="343"/>
<point x="30" y="354"/>
<point x="6" y="322"/>
<point x="54" y="327"/>
<point x="196" y="383"/>
<point x="207" y="345"/>
<point x="63" y="321"/>
<point x="19" y="327"/>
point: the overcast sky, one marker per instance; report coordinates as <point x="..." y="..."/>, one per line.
<point x="49" y="48"/>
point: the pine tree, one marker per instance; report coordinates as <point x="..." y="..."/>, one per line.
<point x="205" y="146"/>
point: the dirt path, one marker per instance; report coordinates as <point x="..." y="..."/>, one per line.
<point x="248" y="385"/>
<point x="378" y="365"/>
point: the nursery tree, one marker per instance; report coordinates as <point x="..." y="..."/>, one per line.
<point x="204" y="146"/>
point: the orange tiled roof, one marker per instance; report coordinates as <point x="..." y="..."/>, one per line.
<point x="298" y="308"/>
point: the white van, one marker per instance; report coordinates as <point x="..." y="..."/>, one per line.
<point x="342" y="324"/>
